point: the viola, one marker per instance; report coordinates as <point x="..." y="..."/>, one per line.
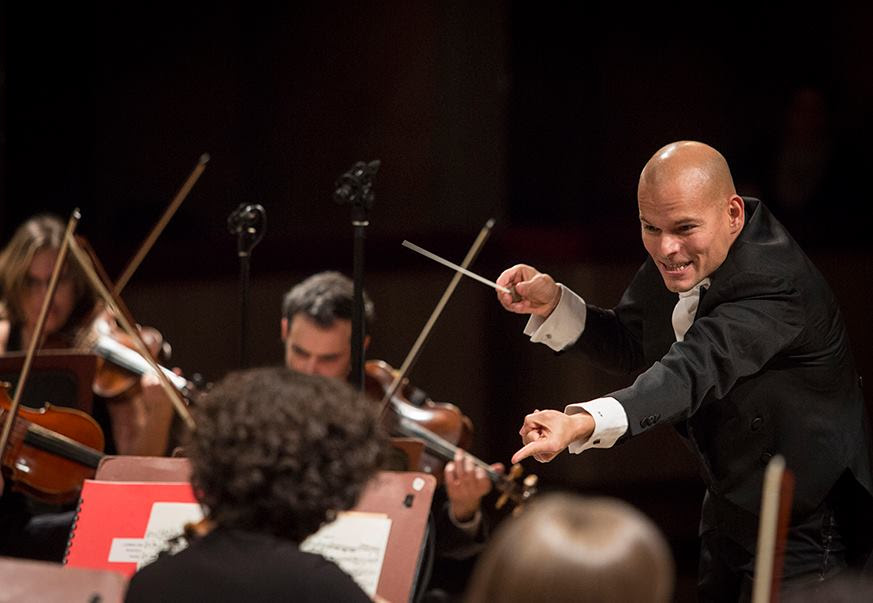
<point x="443" y="429"/>
<point x="50" y="451"/>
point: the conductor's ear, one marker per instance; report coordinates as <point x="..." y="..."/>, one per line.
<point x="736" y="213"/>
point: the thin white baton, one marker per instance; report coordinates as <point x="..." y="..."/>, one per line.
<point x="463" y="271"/>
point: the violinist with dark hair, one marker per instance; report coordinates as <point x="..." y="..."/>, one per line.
<point x="136" y="422"/>
<point x="316" y="332"/>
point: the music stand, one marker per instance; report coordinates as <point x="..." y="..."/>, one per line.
<point x="25" y="580"/>
<point x="404" y="496"/>
<point x="62" y="377"/>
<point x="166" y="469"/>
<point x="143" y="469"/>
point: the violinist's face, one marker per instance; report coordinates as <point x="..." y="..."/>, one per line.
<point x="316" y="350"/>
<point x="33" y="292"/>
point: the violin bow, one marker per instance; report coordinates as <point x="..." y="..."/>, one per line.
<point x="777" y="495"/>
<point x="114" y="303"/>
<point x="414" y="352"/>
<point x="149" y="241"/>
<point x="35" y="340"/>
<point x="158" y="228"/>
<point x="104" y="278"/>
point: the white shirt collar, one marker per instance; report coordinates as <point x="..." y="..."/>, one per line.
<point x="695" y="290"/>
<point x="686" y="309"/>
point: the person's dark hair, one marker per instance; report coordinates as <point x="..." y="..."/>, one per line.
<point x="324" y="298"/>
<point x="40" y="232"/>
<point x="565" y="548"/>
<point x="279" y="452"/>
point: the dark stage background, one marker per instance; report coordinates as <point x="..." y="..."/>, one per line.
<point x="538" y="114"/>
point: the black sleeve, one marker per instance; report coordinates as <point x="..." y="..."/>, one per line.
<point x="613" y="339"/>
<point x="453" y="542"/>
<point x="759" y="317"/>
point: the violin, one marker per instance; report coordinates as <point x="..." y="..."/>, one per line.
<point x="441" y="419"/>
<point x="50" y="450"/>
<point x="122" y="365"/>
<point x="443" y="429"/>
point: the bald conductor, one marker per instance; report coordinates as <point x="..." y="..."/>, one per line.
<point x="743" y="349"/>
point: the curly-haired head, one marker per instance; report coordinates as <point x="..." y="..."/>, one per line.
<point x="280" y="452"/>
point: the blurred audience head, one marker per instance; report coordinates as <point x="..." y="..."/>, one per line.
<point x="568" y="548"/>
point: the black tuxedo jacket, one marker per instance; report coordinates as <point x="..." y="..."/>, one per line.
<point x="764" y="369"/>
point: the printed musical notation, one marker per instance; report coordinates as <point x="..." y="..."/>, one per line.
<point x="356" y="542"/>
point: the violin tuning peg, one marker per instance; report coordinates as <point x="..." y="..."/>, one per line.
<point x="501" y="501"/>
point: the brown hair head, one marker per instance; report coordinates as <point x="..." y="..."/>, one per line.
<point x="36" y="234"/>
<point x="569" y="548"/>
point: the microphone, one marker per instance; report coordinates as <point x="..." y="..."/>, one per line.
<point x="248" y="222"/>
<point x="245" y="217"/>
<point x="355" y="186"/>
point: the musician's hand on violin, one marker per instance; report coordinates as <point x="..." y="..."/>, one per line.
<point x="155" y="414"/>
<point x="546" y="433"/>
<point x="538" y="291"/>
<point x="155" y="400"/>
<point x="466" y="484"/>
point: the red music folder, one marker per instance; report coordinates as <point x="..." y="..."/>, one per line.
<point x="116" y="519"/>
<point x="110" y="525"/>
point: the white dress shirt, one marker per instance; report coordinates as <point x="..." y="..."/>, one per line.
<point x="686" y="308"/>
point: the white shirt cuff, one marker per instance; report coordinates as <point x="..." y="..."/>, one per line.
<point x="610" y="423"/>
<point x="563" y="326"/>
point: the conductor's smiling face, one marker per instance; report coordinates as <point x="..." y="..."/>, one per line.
<point x="690" y="214"/>
<point x="687" y="237"/>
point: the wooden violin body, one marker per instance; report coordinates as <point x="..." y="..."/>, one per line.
<point x="51" y="451"/>
<point x="444" y="420"/>
<point x="443" y="429"/>
<point x="121" y="365"/>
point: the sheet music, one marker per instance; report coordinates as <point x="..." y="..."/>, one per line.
<point x="356" y="542"/>
<point x="167" y="522"/>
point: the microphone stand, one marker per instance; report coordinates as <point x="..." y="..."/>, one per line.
<point x="355" y="188"/>
<point x="248" y="222"/>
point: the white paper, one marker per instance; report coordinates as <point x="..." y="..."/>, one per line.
<point x="166" y="522"/>
<point x="356" y="542"/>
<point x="125" y="550"/>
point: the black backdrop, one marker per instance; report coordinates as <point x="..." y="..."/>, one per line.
<point x="540" y="114"/>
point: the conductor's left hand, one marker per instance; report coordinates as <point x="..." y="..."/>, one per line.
<point x="546" y="433"/>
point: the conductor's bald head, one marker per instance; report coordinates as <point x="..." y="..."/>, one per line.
<point x="692" y="165"/>
<point x="690" y="213"/>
